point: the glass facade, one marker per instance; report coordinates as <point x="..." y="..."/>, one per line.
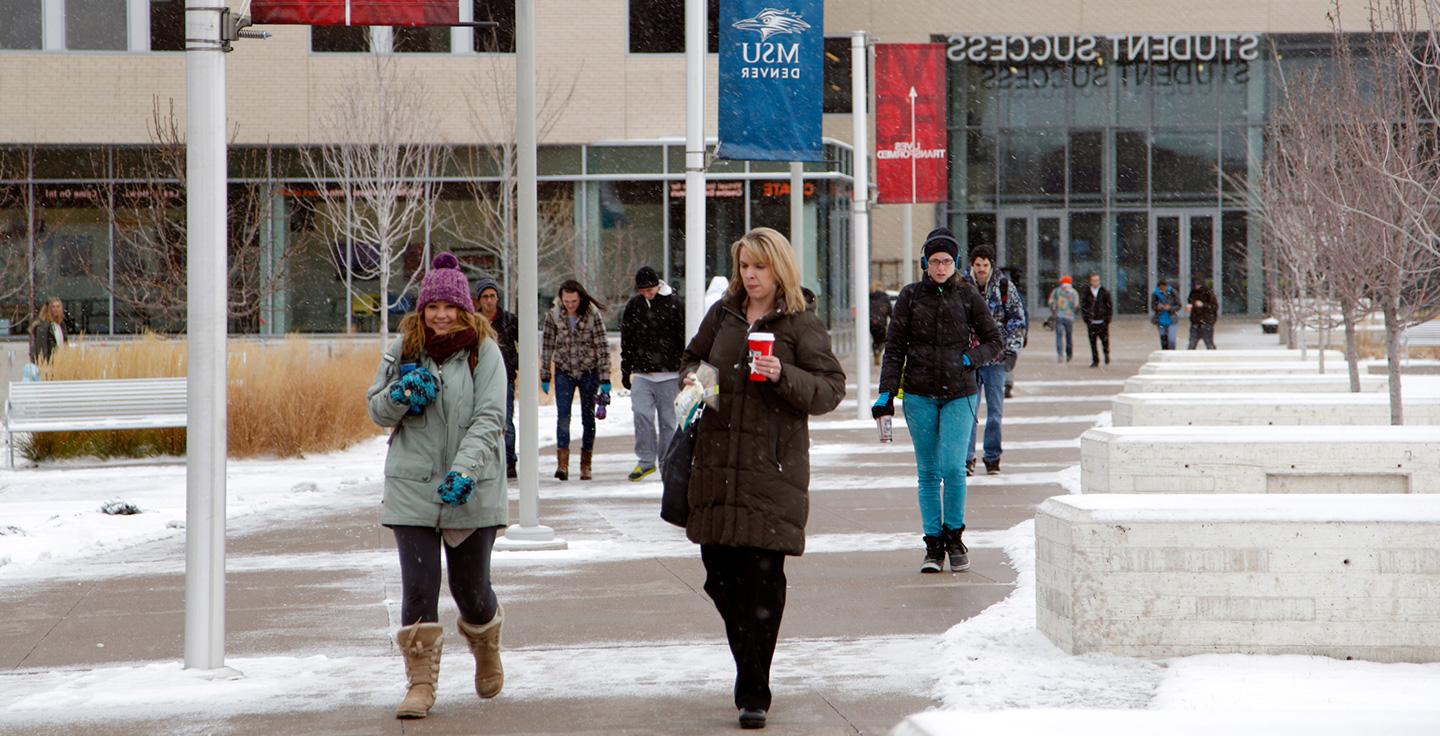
<point x="1122" y="155"/>
<point x="103" y="229"/>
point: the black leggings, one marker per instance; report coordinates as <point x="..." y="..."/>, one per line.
<point x="469" y="568"/>
<point x="747" y="586"/>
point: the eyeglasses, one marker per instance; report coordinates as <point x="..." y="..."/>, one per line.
<point x="942" y="262"/>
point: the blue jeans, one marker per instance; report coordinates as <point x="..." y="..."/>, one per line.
<point x="565" y="387"/>
<point x="510" y="422"/>
<point x="936" y="427"/>
<point x="1168" y="335"/>
<point x="992" y="385"/>
<point x="1064" y="346"/>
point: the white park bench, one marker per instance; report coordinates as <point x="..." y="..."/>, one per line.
<point x="1262" y="409"/>
<point x="1343" y="576"/>
<point x="1220" y="460"/>
<point x="69" y="406"/>
<point x="1245" y="383"/>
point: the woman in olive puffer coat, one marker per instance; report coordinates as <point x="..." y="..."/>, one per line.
<point x="749" y="486"/>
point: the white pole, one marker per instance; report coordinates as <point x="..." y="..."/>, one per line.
<point x="205" y="170"/>
<point x="860" y="223"/>
<point x="907" y="272"/>
<point x="909" y="269"/>
<point x="529" y="534"/>
<point x="797" y="216"/>
<point x="695" y="46"/>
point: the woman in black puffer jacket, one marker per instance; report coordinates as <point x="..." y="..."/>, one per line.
<point x="940" y="330"/>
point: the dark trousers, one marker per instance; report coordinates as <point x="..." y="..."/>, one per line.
<point x="510" y="423"/>
<point x="565" y="387"/>
<point x="468" y="566"/>
<point x="1200" y="332"/>
<point x="1101" y="331"/>
<point x="747" y="585"/>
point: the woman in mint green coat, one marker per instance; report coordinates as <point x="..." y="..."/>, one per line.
<point x="440" y="388"/>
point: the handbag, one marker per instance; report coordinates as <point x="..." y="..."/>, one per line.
<point x="675" y="467"/>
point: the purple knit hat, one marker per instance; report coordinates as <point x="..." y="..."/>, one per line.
<point x="445" y="283"/>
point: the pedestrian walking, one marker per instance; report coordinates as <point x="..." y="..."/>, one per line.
<point x="440" y="388"/>
<point x="880" y="310"/>
<point x="1096" y="308"/>
<point x="574" y="342"/>
<point x="749" y="486"/>
<point x="652" y="339"/>
<point x="940" y="333"/>
<point x="47" y="331"/>
<point x="507" y="335"/>
<point x="1204" y="311"/>
<point x="1165" y="309"/>
<point x="1064" y="301"/>
<point x="1007" y="309"/>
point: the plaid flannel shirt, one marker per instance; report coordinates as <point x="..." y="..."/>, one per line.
<point x="576" y="351"/>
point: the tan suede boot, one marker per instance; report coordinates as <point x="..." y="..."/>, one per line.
<point x="421" y="644"/>
<point x="562" y="464"/>
<point x="484" y="643"/>
<point x="585" y="456"/>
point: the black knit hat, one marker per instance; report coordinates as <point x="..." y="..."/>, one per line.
<point x="941" y="240"/>
<point x="646" y="278"/>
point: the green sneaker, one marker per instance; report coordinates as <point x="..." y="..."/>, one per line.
<point x="641" y="471"/>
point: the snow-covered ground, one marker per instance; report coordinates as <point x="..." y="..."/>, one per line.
<point x="994" y="661"/>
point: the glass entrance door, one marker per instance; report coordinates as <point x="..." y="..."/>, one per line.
<point x="1182" y="249"/>
<point x="1033" y="253"/>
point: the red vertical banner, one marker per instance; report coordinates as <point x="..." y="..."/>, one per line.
<point x="910" y="122"/>
<point x="356" y="12"/>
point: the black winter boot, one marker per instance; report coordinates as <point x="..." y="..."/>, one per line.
<point x="959" y="553"/>
<point x="934" y="554"/>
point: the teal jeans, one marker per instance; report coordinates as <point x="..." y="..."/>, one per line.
<point x="939" y="429"/>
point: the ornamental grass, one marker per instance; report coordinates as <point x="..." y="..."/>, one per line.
<point x="285" y="399"/>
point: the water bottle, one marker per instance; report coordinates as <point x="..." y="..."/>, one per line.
<point x="887" y="433"/>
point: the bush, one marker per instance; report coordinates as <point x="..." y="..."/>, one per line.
<point x="284" y="400"/>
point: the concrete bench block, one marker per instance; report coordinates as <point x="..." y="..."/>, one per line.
<point x="1313" y="409"/>
<point x="1265" y="355"/>
<point x="1220" y="460"/>
<point x="1249" y="383"/>
<point x="1216" y="367"/>
<point x="1354" y="576"/>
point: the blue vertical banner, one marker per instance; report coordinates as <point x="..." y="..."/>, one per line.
<point x="772" y="56"/>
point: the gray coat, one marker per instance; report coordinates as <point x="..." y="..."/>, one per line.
<point x="463" y="430"/>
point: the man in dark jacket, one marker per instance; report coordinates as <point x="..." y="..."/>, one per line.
<point x="940" y="331"/>
<point x="1097" y="309"/>
<point x="652" y="339"/>
<point x="507" y="336"/>
<point x="1204" y="310"/>
<point x="879" y="318"/>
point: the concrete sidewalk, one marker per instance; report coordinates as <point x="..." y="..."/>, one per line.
<point x="588" y="642"/>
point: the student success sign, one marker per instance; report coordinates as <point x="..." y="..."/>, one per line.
<point x="771" y="70"/>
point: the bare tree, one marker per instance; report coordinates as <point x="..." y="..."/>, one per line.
<point x="1383" y="174"/>
<point x="1311" y="235"/>
<point x="148" y="212"/>
<point x="494" y="180"/>
<point x="15" y="165"/>
<point x="381" y="154"/>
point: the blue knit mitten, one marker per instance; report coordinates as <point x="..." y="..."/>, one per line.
<point x="456" y="488"/>
<point x="417" y="388"/>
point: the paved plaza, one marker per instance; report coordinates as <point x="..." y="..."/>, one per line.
<point x="614" y="635"/>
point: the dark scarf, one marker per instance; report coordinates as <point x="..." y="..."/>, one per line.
<point x="441" y="347"/>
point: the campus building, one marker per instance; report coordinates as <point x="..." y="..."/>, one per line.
<point x="1111" y="137"/>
